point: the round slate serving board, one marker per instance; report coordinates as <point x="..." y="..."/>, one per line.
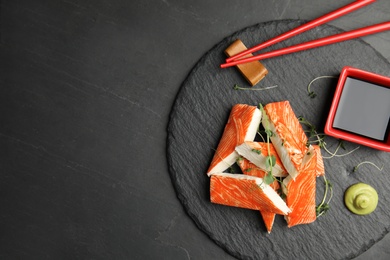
<point x="197" y="121"/>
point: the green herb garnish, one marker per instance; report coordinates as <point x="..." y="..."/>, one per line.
<point x="324" y="206"/>
<point x="311" y="93"/>
<point x="270" y="159"/>
<point x="334" y="154"/>
<point x="320" y="140"/>
<point x="236" y="87"/>
<point x="367" y="162"/>
<point x="256" y="151"/>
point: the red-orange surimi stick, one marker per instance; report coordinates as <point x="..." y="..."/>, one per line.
<point x="242" y="126"/>
<point x="288" y="136"/>
<point x="249" y="168"/>
<point x="301" y="192"/>
<point x="243" y="191"/>
<point x="320" y="161"/>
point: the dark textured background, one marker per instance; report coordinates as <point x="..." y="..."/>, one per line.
<point x="86" y="92"/>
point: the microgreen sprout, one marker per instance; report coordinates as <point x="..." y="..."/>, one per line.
<point x="312" y="129"/>
<point x="311" y="93"/>
<point x="260" y="133"/>
<point x="320" y="140"/>
<point x="237" y="87"/>
<point x="281" y="193"/>
<point x="256" y="151"/>
<point x="312" y="133"/>
<point x="323" y="207"/>
<point x="335" y="154"/>
<point x="270" y="159"/>
<point x="367" y="162"/>
<point x="268" y="179"/>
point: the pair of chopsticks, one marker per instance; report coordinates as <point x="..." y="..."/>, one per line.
<point x="235" y="60"/>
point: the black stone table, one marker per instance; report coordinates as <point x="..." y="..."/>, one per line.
<point x="86" y="93"/>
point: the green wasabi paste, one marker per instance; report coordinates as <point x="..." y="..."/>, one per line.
<point x="361" y="198"/>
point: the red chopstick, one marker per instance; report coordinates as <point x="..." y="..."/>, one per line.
<point x="315" y="43"/>
<point x="307" y="26"/>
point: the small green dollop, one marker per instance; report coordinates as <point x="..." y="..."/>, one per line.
<point x="361" y="198"/>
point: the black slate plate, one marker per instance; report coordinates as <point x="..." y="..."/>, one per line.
<point x="199" y="116"/>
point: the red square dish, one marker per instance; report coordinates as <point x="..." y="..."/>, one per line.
<point x="360" y="110"/>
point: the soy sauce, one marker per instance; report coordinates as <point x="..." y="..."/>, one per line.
<point x="364" y="109"/>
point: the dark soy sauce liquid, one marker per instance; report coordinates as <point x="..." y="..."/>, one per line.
<point x="364" y="109"/>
